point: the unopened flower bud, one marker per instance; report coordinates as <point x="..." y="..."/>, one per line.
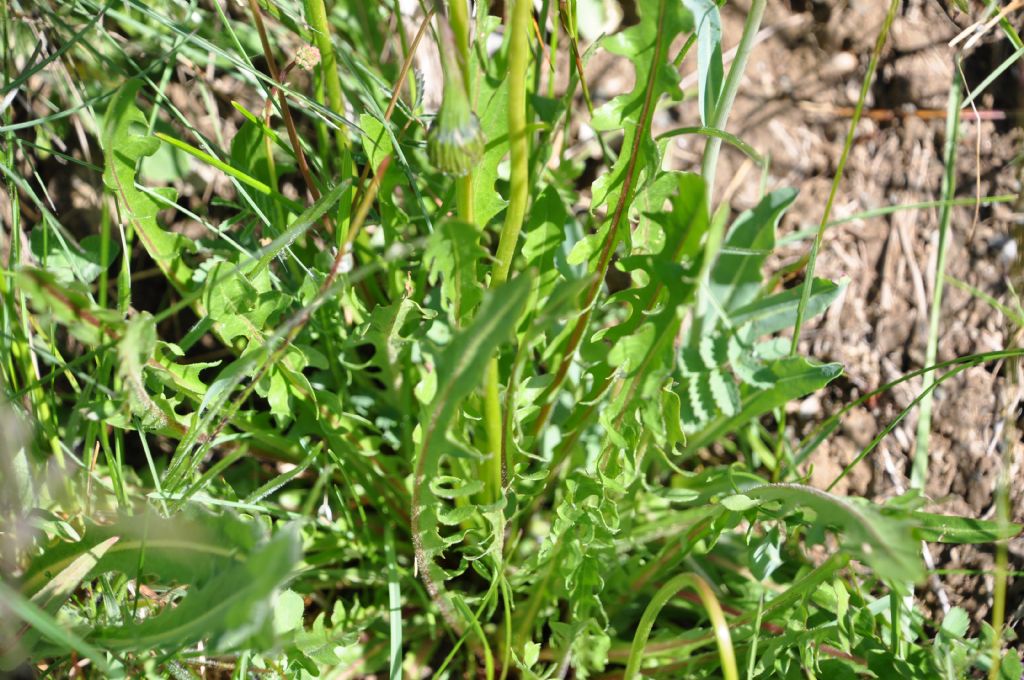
<point x="455" y="142"/>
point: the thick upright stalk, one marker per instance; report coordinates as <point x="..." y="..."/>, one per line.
<point x="519" y="145"/>
<point x="316" y="15"/>
<point x="519" y="153"/>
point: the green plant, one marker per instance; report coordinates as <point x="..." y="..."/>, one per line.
<point x="385" y="413"/>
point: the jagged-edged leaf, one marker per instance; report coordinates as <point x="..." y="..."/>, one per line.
<point x="451" y="255"/>
<point x="746" y="365"/>
<point x="789" y="378"/>
<point x="724" y="393"/>
<point x="460" y="370"/>
<point x="69" y="261"/>
<point x="124" y="145"/>
<point x="670" y="273"/>
<point x="324" y="645"/>
<point x="544" y="235"/>
<point x="390" y="329"/>
<point x="70" y="306"/>
<point x="736" y="276"/>
<point x="134" y="350"/>
<point x="646" y="45"/>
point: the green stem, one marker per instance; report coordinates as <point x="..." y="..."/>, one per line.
<point x="812" y="258"/>
<point x="919" y="469"/>
<point x="714" y="611"/>
<point x="316" y="15"/>
<point x="492" y="468"/>
<point x="519" y="143"/>
<point x="519" y="151"/>
<point x="458" y="17"/>
<point x="732" y="85"/>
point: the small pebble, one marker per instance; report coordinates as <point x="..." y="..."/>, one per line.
<point x="810" y="408"/>
<point x="1008" y="253"/>
<point x="842" y="64"/>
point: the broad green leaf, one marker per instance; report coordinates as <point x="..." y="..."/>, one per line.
<point x="491" y="93"/>
<point x="233" y="608"/>
<point x="179" y="550"/>
<point x="249" y="154"/>
<point x="288" y="611"/>
<point x="376" y="141"/>
<point x="955" y="622"/>
<point x="774" y="313"/>
<point x="884" y="543"/>
<point x="739" y="503"/>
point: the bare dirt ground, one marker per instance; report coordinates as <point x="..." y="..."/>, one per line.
<point x="802" y="81"/>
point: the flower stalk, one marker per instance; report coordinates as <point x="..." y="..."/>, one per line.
<point x="519" y="184"/>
